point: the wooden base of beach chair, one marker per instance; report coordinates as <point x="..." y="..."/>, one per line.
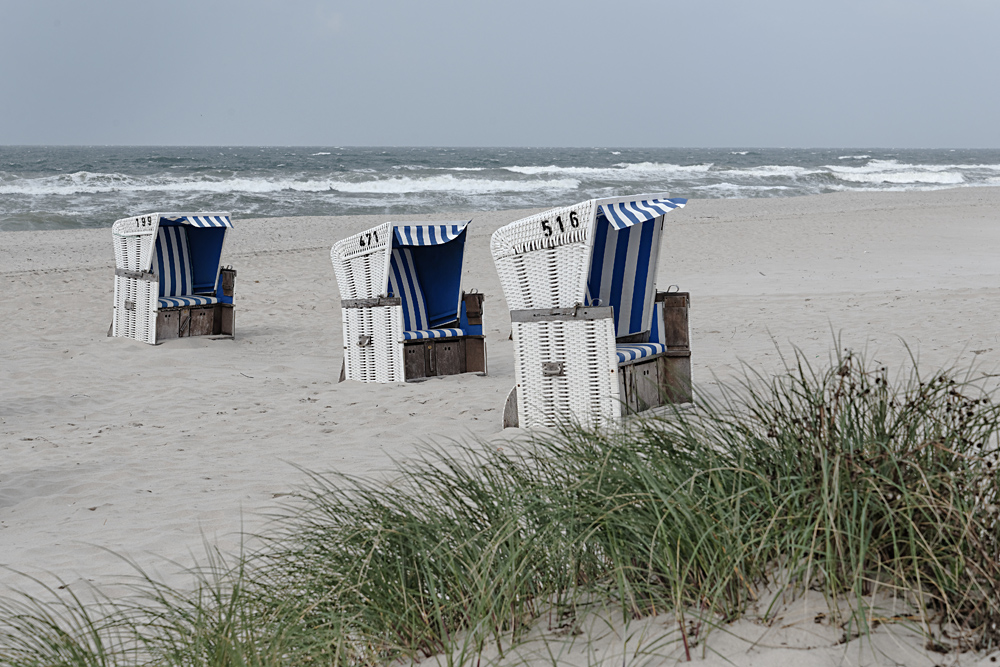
<point x="449" y="356"/>
<point x="650" y="383"/>
<point x="213" y="320"/>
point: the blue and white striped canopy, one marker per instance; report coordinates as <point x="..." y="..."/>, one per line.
<point x="626" y="214"/>
<point x="410" y="235"/>
<point x="202" y="220"/>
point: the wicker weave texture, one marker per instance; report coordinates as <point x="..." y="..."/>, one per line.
<point x="548" y="278"/>
<point x="360" y="262"/>
<point x="135" y="309"/>
<point x="549" y="229"/>
<point x="135" y="300"/>
<point x="380" y="358"/>
<point x="566" y="370"/>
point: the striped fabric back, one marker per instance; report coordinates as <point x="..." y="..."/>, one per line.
<point x="656" y="332"/>
<point x="173" y="261"/>
<point x="623" y="272"/>
<point x="403" y="283"/>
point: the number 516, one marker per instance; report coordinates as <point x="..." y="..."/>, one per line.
<point x="574" y="222"/>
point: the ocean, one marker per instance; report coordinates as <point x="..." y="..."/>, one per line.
<point x="70" y="187"/>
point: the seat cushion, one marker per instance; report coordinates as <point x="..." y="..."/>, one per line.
<point x="638" y="351"/>
<point x="432" y="333"/>
<point x="185" y="301"/>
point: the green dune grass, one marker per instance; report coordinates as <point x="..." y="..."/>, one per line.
<point x="838" y="480"/>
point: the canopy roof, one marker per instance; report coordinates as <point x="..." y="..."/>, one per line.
<point x="626" y="214"/>
<point x="433" y="234"/>
<point x="200" y="220"/>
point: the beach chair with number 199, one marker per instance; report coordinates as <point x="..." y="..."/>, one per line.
<point x="169" y="281"/>
<point x="593" y="339"/>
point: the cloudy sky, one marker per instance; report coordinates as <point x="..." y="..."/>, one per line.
<point x="700" y="73"/>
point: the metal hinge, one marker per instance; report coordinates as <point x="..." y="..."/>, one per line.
<point x="551" y="369"/>
<point x="129" y="305"/>
<point x="364" y="341"/>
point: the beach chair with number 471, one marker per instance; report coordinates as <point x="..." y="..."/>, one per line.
<point x="593" y="339"/>
<point x="405" y="316"/>
<point x="169" y="281"/>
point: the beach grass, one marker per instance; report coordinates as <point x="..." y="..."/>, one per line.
<point x="878" y="491"/>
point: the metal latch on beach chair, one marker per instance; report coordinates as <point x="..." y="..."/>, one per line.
<point x="129" y="305"/>
<point x="552" y="369"/>
<point x="364" y="341"/>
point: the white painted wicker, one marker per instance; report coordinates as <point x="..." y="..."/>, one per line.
<point x="373" y="350"/>
<point x="566" y="370"/>
<point x="543" y="260"/>
<point x="361" y="264"/>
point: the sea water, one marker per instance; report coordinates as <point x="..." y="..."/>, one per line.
<point x="72" y="187"/>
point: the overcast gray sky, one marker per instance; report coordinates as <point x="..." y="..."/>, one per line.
<point x="795" y="73"/>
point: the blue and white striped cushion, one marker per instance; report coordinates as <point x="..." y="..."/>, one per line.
<point x="178" y="301"/>
<point x="403" y="283"/>
<point x="432" y="333"/>
<point x="623" y="272"/>
<point x="638" y="351"/>
<point x="173" y="261"/>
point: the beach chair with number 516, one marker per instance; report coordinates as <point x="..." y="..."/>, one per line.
<point x="593" y="339"/>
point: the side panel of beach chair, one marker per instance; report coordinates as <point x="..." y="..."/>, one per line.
<point x="372" y="323"/>
<point x="660" y="373"/>
<point x="136" y="287"/>
<point x="564" y="354"/>
<point x="565" y="366"/>
<point x="372" y="329"/>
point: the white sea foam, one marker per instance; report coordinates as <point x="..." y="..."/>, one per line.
<point x="88" y="183"/>
<point x="736" y="190"/>
<point x="903" y="177"/>
<point x="448" y="183"/>
<point x="768" y="171"/>
<point x="899" y="173"/>
<point x="619" y="171"/>
<point x="739" y="152"/>
<point x="854" y="157"/>
<point x="321" y="153"/>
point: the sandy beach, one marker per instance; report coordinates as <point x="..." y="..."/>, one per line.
<point x="112" y="447"/>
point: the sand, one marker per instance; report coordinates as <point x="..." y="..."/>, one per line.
<point x="110" y="447"/>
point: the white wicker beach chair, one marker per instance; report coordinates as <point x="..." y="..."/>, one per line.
<point x="593" y="339"/>
<point x="405" y="316"/>
<point x="169" y="282"/>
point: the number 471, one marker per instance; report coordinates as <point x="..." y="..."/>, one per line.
<point x="574" y="222"/>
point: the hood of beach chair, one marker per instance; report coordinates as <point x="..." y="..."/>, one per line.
<point x="426" y="271"/>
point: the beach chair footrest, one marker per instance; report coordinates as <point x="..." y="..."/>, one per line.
<point x="217" y="319"/>
<point x="649" y="383"/>
<point x="449" y="356"/>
